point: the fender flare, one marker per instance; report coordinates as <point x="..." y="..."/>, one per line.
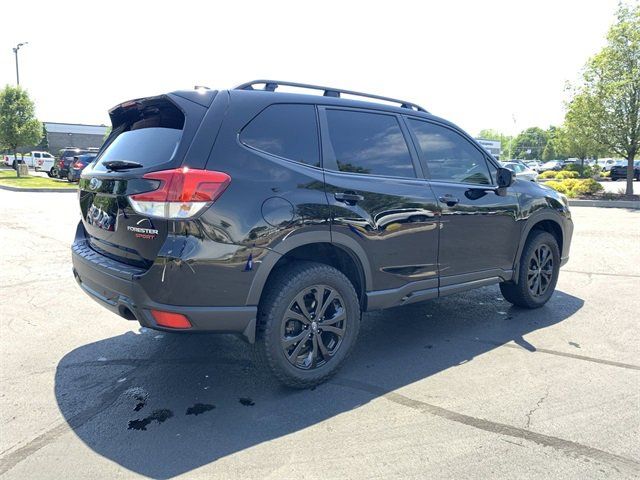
<point x="533" y="220"/>
<point x="340" y="240"/>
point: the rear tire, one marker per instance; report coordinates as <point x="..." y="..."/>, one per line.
<point x="49" y="174"/>
<point x="53" y="173"/>
<point x="304" y="346"/>
<point x="538" y="272"/>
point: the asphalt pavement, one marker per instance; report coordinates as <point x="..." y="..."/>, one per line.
<point x="466" y="386"/>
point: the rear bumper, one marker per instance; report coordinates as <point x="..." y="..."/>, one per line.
<point x="116" y="287"/>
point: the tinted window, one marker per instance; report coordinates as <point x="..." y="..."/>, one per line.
<point x="450" y="156"/>
<point x="368" y="143"/>
<point x="147" y="146"/>
<point x="289" y="131"/>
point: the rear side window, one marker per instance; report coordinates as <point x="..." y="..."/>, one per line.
<point x="286" y="130"/>
<point x="151" y="137"/>
<point x="371" y="143"/>
<point x="450" y="157"/>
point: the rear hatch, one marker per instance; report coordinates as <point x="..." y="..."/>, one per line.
<point x="148" y="135"/>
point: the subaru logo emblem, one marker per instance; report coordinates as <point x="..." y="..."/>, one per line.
<point x="94" y="183"/>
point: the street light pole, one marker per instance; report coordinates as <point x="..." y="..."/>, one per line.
<point x="15" y="50"/>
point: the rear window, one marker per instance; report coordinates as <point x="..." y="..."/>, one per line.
<point x="148" y="146"/>
<point x="150" y="137"/>
<point x="70" y="153"/>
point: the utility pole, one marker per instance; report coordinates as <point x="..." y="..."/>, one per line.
<point x="15" y="50"/>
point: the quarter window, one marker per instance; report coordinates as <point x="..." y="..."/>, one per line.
<point x="370" y="143"/>
<point x="450" y="157"/>
<point x="286" y="130"/>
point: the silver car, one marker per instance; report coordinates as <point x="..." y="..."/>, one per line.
<point x="522" y="171"/>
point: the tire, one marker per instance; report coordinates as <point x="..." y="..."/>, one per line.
<point x="49" y="174"/>
<point x="69" y="177"/>
<point x="53" y="173"/>
<point x="526" y="292"/>
<point x="281" y="321"/>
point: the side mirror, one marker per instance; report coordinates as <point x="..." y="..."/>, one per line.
<point x="504" y="177"/>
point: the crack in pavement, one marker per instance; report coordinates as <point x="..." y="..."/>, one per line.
<point x="566" y="446"/>
<point x="534" y="409"/>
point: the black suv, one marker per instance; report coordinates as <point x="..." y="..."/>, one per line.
<point x="283" y="216"/>
<point x="619" y="172"/>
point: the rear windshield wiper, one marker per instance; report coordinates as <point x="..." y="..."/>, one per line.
<point x="121" y="165"/>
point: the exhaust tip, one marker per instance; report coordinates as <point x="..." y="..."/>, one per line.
<point x="125" y="312"/>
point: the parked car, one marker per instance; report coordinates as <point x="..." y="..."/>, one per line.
<point x="298" y="214"/>
<point x="79" y="163"/>
<point x="608" y="163"/>
<point x="43" y="162"/>
<point x="522" y="171"/>
<point x="534" y="165"/>
<point x="552" y="165"/>
<point x="65" y="158"/>
<point x="619" y="171"/>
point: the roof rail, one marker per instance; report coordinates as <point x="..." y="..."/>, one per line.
<point x="271" y="85"/>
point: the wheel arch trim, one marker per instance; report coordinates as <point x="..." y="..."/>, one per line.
<point x="342" y="241"/>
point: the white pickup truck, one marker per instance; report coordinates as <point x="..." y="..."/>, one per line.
<point x="39" y="161"/>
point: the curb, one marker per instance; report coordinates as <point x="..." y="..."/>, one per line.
<point x="632" y="204"/>
<point x="43" y="190"/>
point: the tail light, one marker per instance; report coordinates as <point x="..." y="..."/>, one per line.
<point x="77" y="165"/>
<point x="182" y="193"/>
<point x="61" y="163"/>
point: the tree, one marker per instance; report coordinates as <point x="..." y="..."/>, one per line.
<point x="44" y="142"/>
<point x="18" y="125"/>
<point x="607" y="102"/>
<point x="577" y="136"/>
<point x="530" y="143"/>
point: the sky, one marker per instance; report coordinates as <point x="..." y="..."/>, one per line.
<point x="481" y="64"/>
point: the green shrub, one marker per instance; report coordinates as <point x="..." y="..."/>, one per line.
<point x="574" y="187"/>
<point x="573" y="167"/>
<point x="548" y="174"/>
<point x="564" y="174"/>
<point x="557" y="186"/>
<point x="587" y="186"/>
<point x="587" y="171"/>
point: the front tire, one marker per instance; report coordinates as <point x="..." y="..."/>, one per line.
<point x="308" y="322"/>
<point x="538" y="272"/>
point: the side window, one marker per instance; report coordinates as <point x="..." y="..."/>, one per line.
<point x="286" y="130"/>
<point x="367" y="143"/>
<point x="450" y="157"/>
<point x="36" y="155"/>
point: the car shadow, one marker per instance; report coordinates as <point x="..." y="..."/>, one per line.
<point x="164" y="404"/>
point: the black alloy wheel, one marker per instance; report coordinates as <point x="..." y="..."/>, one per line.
<point x="313" y="327"/>
<point x="540" y="271"/>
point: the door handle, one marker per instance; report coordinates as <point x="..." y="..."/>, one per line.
<point x="449" y="200"/>
<point x="348" y="197"/>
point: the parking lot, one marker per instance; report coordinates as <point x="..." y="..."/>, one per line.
<point x="461" y="387"/>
